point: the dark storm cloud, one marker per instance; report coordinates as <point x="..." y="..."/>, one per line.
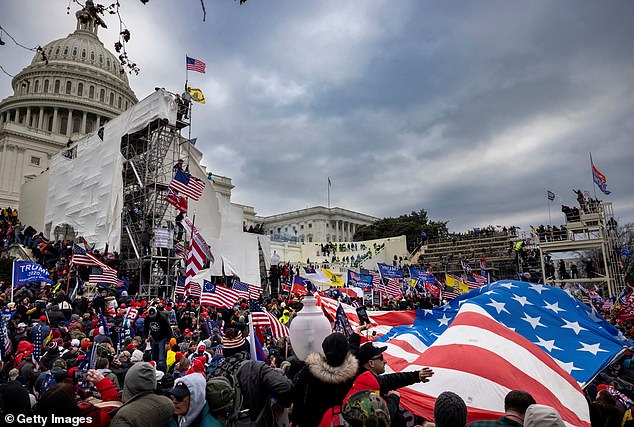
<point x="468" y="110"/>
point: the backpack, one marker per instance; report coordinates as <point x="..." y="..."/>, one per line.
<point x="225" y="399"/>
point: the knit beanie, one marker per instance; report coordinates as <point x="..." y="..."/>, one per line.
<point x="335" y="348"/>
<point x="450" y="410"/>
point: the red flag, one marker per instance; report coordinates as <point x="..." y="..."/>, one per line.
<point x="179" y="202"/>
<point x="626" y="312"/>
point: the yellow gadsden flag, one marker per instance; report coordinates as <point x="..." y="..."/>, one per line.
<point x="334" y="279"/>
<point x="196" y="95"/>
<point x="455" y="283"/>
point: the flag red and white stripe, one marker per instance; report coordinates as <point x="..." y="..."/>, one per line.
<point x="222" y="297"/>
<point x="376" y="278"/>
<point x="382" y="321"/>
<point x="195" y="261"/>
<point x="264" y="318"/>
<point x="482" y="360"/>
<point x="391" y="288"/>
<point x="194" y="234"/>
<point x="193" y="290"/>
<point x="187" y="185"/>
<point x="106" y="275"/>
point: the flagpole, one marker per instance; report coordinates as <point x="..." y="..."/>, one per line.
<point x="328" y="192"/>
<point x="12" y="279"/>
<point x="252" y="340"/>
<point x="594" y="190"/>
<point x="549" y="221"/>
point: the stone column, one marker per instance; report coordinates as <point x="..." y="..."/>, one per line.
<point x="40" y="119"/>
<point x="55" y="128"/>
<point x="19" y="163"/>
<point x="16" y="115"/>
<point x="83" y="124"/>
<point x="69" y="123"/>
<point x="27" y="119"/>
<point x="10" y="172"/>
<point x="5" y="169"/>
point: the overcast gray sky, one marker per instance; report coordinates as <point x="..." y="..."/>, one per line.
<point x="469" y="110"/>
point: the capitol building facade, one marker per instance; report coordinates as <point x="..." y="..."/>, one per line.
<point x="71" y="88"/>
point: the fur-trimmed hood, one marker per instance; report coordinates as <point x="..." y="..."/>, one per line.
<point x="320" y="369"/>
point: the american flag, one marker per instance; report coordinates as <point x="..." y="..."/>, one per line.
<point x="100" y="273"/>
<point x="572" y="334"/>
<point x="180" y="286"/>
<point x="194" y="234"/>
<point x="194" y="290"/>
<point x="218" y="296"/>
<point x="248" y="290"/>
<point x="187" y="185"/>
<point x="450" y="293"/>
<point x="103" y="275"/>
<point x="475" y="336"/>
<point x="179" y="250"/>
<point x="481" y="279"/>
<point x="392" y="288"/>
<point x="376" y="278"/>
<point x="262" y="318"/>
<point x="194" y="64"/>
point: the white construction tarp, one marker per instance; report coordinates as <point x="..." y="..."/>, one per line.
<point x="86" y="192"/>
<point x="207" y="208"/>
<point x="235" y="250"/>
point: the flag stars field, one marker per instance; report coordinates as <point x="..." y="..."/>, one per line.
<point x="534" y="321"/>
<point x="554" y="307"/>
<point x="574" y="326"/>
<point x="538" y="288"/>
<point x="499" y="306"/>
<point x="547" y="344"/>
<point x="591" y="348"/>
<point x="522" y="300"/>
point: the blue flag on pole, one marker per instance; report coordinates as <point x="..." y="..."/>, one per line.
<point x="359" y="280"/>
<point x="390" y="271"/>
<point x="28" y="272"/>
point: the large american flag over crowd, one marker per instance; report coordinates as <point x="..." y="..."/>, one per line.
<point x="540" y="338"/>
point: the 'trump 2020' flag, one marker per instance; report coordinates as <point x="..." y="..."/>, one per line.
<point x="482" y="360"/>
<point x="28" y="272"/>
<point x="599" y="178"/>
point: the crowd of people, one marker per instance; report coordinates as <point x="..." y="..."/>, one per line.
<point x="105" y="357"/>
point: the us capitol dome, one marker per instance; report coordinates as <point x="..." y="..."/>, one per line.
<point x="70" y="90"/>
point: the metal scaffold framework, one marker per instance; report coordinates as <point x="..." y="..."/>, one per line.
<point x="147" y="235"/>
<point x="591" y="238"/>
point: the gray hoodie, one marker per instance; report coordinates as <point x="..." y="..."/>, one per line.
<point x="542" y="416"/>
<point x="139" y="380"/>
<point x="196" y="385"/>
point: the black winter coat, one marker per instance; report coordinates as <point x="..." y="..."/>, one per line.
<point x="318" y="387"/>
